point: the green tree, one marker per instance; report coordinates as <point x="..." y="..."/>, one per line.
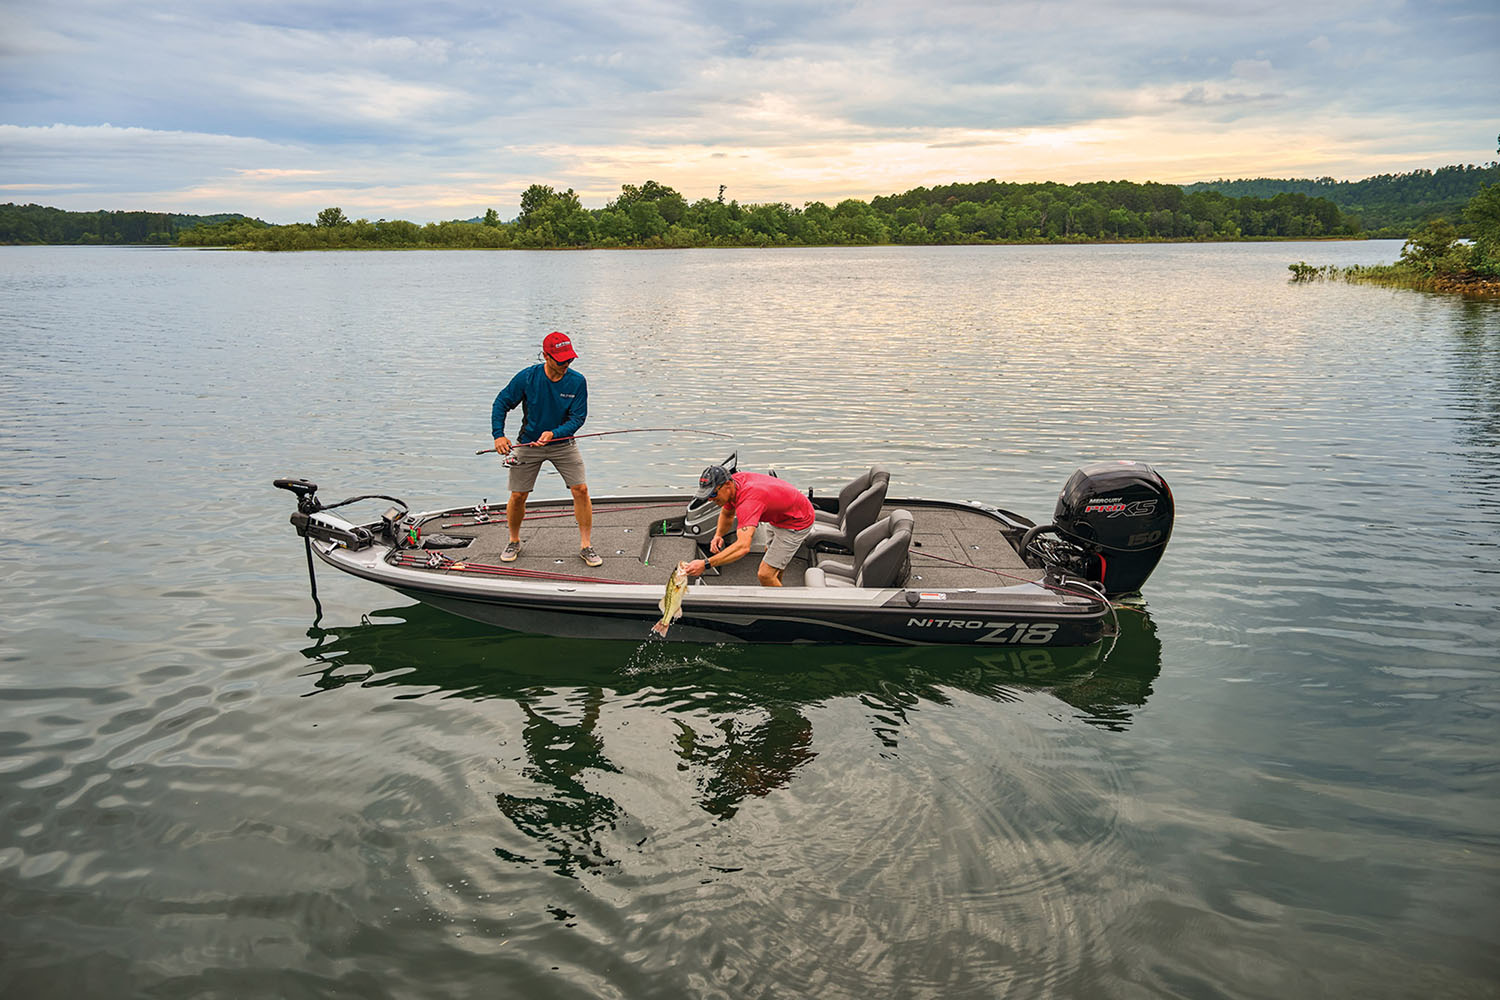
<point x="550" y="218"/>
<point x="492" y="218"/>
<point x="1434" y="249"/>
<point x="670" y="205"/>
<point x="534" y="201"/>
<point x="1483" y="210"/>
<point x="330" y="217"/>
<point x="646" y="221"/>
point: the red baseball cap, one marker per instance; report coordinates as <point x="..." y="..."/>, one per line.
<point x="558" y="347"/>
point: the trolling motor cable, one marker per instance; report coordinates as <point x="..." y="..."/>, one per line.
<point x="366" y="496"/>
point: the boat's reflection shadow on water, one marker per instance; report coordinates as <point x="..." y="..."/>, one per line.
<point x="739" y="712"/>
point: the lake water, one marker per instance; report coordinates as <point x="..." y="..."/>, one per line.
<point x="1280" y="781"/>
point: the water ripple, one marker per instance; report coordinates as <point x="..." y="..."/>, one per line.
<point x="1279" y="782"/>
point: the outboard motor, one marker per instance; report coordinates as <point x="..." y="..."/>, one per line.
<point x="1112" y="523"/>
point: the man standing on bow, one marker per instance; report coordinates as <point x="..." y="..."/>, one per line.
<point x="554" y="401"/>
<point x="752" y="498"/>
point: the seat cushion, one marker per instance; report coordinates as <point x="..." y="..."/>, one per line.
<point x="815" y="577"/>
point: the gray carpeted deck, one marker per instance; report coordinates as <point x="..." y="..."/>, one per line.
<point x="942" y="538"/>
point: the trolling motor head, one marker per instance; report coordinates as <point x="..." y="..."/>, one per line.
<point x="307" y="499"/>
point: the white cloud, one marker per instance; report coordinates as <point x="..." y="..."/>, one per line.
<point x="440" y="110"/>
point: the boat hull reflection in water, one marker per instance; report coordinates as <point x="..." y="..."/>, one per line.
<point x="738" y="721"/>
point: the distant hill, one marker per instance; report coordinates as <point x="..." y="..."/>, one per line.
<point x="39" y="224"/>
<point x="1387" y="204"/>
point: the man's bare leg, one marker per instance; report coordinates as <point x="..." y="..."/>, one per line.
<point x="583" y="510"/>
<point x="515" y="513"/>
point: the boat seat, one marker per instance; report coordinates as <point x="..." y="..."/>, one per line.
<point x="847" y="566"/>
<point x="882" y="557"/>
<point x="859" y="505"/>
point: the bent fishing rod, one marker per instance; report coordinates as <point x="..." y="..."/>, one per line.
<point x="631" y="430"/>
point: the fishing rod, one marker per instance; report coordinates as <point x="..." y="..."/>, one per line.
<point x="632" y="430"/>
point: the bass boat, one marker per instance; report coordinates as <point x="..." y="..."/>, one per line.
<point x="873" y="570"/>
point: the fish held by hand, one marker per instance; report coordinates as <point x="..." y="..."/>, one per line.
<point x="671" y="601"/>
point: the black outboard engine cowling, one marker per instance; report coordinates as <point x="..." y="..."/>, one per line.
<point x="1120" y="514"/>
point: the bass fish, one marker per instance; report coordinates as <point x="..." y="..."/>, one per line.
<point x="671" y="601"/>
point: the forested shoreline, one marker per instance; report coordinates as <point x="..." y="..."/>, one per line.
<point x="654" y="215"/>
<point x="1388" y="205"/>
<point x="1438" y="257"/>
<point x="37" y="224"/>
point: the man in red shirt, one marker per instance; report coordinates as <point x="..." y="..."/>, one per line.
<point x="753" y="498"/>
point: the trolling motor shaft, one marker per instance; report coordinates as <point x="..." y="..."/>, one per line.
<point x="307" y="505"/>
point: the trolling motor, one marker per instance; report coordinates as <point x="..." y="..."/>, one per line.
<point x="336" y="530"/>
<point x="332" y="529"/>
<point x="1111" y="526"/>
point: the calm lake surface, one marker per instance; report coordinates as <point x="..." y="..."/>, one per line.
<point x="1281" y="781"/>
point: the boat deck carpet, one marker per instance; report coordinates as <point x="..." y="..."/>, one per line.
<point x="951" y="549"/>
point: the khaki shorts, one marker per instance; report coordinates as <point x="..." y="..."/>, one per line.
<point x="784" y="545"/>
<point x="564" y="457"/>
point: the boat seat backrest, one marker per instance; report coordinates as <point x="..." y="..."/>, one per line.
<point x="855" y="488"/>
<point x="885" y="565"/>
<point x="859" y="506"/>
<point x="882" y="554"/>
<point x="866" y="540"/>
<point x="865" y="505"/>
<point x="848" y="568"/>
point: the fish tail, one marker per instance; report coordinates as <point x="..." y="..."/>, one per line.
<point x="660" y="628"/>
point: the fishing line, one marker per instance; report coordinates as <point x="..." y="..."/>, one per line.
<point x="631" y="430"/>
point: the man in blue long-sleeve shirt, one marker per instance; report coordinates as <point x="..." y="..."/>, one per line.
<point x="554" y="403"/>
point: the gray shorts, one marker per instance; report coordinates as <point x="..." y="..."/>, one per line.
<point x="784" y="545"/>
<point x="563" y="455"/>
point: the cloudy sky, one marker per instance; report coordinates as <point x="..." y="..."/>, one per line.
<point x="439" y="110"/>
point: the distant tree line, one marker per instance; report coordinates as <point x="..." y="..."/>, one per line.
<point x="38" y="224"/>
<point x="654" y="215"/>
<point x="1388" y="205"/>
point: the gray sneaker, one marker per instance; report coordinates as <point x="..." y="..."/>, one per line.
<point x="589" y="556"/>
<point x="512" y="549"/>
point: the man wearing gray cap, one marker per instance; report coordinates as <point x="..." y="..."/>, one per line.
<point x="753" y="498"/>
